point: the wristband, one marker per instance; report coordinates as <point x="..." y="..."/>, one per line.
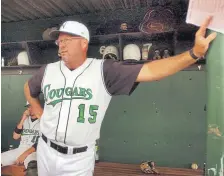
<point x="193" y="55"/>
<point x="18" y="131"/>
<point x="35" y="146"/>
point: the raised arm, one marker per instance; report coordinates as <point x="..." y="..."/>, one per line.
<point x="160" y="69"/>
<point x="19" y="128"/>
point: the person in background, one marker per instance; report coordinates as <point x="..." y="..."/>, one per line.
<point x="28" y="131"/>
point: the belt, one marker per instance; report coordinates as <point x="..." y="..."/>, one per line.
<point x="62" y="149"/>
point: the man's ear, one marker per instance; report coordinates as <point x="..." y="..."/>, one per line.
<point x="84" y="44"/>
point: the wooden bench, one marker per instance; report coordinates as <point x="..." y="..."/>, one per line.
<point x="116" y="169"/>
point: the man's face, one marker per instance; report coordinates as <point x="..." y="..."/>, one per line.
<point x="71" y="47"/>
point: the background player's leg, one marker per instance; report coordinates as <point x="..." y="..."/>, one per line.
<point x="81" y="164"/>
<point x="46" y="159"/>
<point x="9" y="157"/>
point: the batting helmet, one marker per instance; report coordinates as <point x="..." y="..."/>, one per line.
<point x="131" y="52"/>
<point x="109" y="52"/>
<point x="22" y="58"/>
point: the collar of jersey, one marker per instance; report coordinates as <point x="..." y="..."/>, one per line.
<point x="78" y="70"/>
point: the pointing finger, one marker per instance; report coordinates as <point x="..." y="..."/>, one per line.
<point x="205" y="24"/>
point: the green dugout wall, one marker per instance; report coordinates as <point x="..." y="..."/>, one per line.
<point x="164" y="121"/>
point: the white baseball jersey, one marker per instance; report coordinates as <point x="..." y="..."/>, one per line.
<point x="75" y="105"/>
<point x="29" y="136"/>
<point x="75" y="102"/>
<point x="30" y="133"/>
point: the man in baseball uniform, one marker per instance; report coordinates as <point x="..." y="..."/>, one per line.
<point x="27" y="130"/>
<point x="77" y="91"/>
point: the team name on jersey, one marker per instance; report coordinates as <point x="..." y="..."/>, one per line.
<point x="30" y="132"/>
<point x="54" y="96"/>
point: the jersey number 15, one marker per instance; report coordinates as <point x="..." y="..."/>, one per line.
<point x="92" y="113"/>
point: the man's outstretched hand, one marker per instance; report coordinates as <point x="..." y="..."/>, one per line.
<point x="202" y="42"/>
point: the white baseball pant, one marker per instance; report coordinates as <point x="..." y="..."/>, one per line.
<point x="53" y="163"/>
<point x="9" y="157"/>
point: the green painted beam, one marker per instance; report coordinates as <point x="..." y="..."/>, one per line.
<point x="215" y="110"/>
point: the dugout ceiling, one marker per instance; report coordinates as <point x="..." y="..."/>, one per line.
<point x="24" y="10"/>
